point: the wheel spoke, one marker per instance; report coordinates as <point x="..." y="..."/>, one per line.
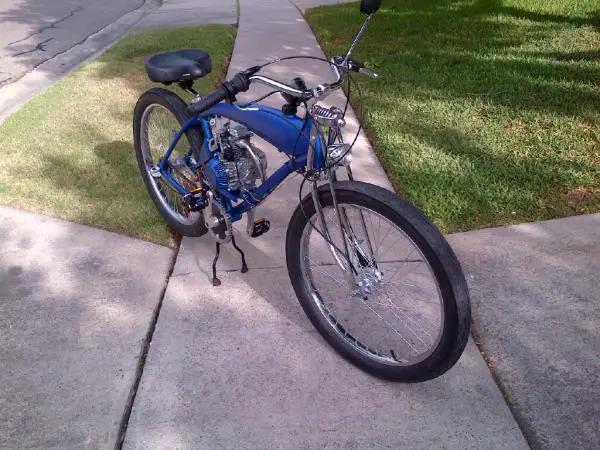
<point x="333" y="278"/>
<point x="391" y="327"/>
<point x="413" y="331"/>
<point x="405" y="314"/>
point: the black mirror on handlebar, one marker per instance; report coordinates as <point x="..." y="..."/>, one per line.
<point x="368" y="7"/>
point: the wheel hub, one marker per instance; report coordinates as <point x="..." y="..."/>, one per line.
<point x="367" y="281"/>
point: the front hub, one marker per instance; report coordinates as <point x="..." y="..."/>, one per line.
<point x="367" y="281"/>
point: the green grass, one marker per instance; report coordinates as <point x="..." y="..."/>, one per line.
<point x="486" y="112"/>
<point x="69" y="153"/>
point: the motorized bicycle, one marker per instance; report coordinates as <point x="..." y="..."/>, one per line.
<point x="373" y="274"/>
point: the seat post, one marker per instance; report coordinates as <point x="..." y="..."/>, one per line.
<point x="188" y="86"/>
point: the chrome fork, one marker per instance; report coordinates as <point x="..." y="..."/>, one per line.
<point x="333" y="136"/>
<point x="314" y="135"/>
<point x="344" y="262"/>
<point x="335" y="121"/>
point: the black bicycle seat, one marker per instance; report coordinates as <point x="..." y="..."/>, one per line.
<point x="182" y="65"/>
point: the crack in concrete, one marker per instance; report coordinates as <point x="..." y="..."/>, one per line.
<point x="48" y="27"/>
<point x="144" y="354"/>
<point x="40" y="47"/>
<point x="5" y="77"/>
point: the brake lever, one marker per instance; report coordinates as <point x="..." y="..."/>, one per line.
<point x="357" y="66"/>
<point x="368" y="73"/>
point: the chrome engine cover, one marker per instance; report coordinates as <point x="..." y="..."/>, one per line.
<point x="244" y="163"/>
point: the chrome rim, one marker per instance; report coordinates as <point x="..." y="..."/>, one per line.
<point x="400" y="320"/>
<point x="159" y="127"/>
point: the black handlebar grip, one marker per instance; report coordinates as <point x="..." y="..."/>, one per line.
<point x="239" y="83"/>
<point x="208" y="101"/>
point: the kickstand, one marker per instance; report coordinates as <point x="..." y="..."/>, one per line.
<point x="215" y="280"/>
<point x="244" y="266"/>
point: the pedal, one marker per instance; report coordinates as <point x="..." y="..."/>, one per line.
<point x="196" y="199"/>
<point x="261" y="226"/>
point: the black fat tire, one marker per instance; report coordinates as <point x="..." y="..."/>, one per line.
<point x="195" y="137"/>
<point x="435" y="248"/>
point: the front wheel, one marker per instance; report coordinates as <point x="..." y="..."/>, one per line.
<point x="396" y="304"/>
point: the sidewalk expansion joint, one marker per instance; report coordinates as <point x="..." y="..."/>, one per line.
<point x="527" y="431"/>
<point x="145" y="348"/>
<point x="297" y="7"/>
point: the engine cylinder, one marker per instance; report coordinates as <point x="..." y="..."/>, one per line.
<point x="239" y="164"/>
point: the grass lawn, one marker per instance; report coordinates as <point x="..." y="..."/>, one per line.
<point x="69" y="153"/>
<point x="486" y="112"/>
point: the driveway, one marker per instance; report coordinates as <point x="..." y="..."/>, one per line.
<point x="34" y="31"/>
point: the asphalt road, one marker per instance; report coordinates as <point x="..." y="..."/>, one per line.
<point x="34" y="31"/>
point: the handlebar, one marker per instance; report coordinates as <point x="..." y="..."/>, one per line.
<point x="241" y="83"/>
<point x="306" y="94"/>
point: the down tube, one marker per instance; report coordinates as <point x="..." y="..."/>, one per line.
<point x="264" y="189"/>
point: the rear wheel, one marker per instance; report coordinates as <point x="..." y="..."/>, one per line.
<point x="398" y="306"/>
<point x="159" y="115"/>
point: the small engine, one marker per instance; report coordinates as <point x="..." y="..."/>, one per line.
<point x="244" y="163"/>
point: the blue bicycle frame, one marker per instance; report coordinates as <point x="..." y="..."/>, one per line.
<point x="288" y="133"/>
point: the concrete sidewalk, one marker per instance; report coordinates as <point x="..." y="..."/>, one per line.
<point x="75" y="307"/>
<point x="535" y="291"/>
<point x="183" y="13"/>
<point x="76" y="303"/>
<point x="241" y="366"/>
